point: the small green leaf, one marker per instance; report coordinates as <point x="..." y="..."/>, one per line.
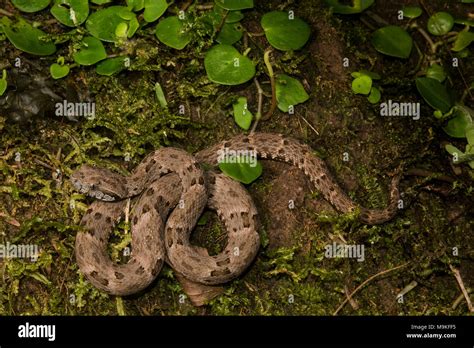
<point x="71" y="13"/>
<point x="233" y="5"/>
<point x="454" y="151"/>
<point x="121" y="30"/>
<point x="92" y="52"/>
<point x="412" y="12"/>
<point x="436" y="72"/>
<point x="3" y="86"/>
<point x="242" y="116"/>
<point x="241" y="169"/>
<point x="440" y="23"/>
<point x="39" y="277"/>
<point x="289" y="92"/>
<point x="434" y="93"/>
<point x="374" y="96"/>
<point x="230" y="34"/>
<point x="457" y="126"/>
<point x="112" y="66"/>
<point x="160" y="95"/>
<point x="285" y="32"/>
<point x="171" y="32"/>
<point x="103" y="23"/>
<point x="225" y="65"/>
<point x="362" y="85"/>
<point x="154" y="9"/>
<point x="358" y="6"/>
<point x="27" y="38"/>
<point x="30" y="5"/>
<point x="58" y="71"/>
<point x="393" y="41"/>
<point x="463" y="40"/>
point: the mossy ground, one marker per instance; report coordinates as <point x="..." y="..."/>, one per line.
<point x="293" y="278"/>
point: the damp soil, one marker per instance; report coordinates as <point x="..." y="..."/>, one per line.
<point x="291" y="275"/>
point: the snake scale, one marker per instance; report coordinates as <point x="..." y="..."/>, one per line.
<point x="172" y="192"/>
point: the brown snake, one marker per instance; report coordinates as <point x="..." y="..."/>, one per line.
<point x="173" y="192"/>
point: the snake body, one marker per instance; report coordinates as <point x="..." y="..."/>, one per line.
<point x="173" y="191"/>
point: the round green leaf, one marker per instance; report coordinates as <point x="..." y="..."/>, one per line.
<point x="154" y="9"/>
<point x="58" y="71"/>
<point x="27" y="38"/>
<point x="30" y="5"/>
<point x="284" y="32"/>
<point x="289" y="92"/>
<point x="463" y="40"/>
<point x="242" y="116"/>
<point x="457" y="126"/>
<point x="103" y="23"/>
<point x="230" y="34"/>
<point x="412" y="12"/>
<point x="225" y="65"/>
<point x="234" y="4"/>
<point x="440" y="23"/>
<point x="393" y="41"/>
<point x="434" y="93"/>
<point x="374" y="96"/>
<point x="358" y="6"/>
<point x="92" y="51"/>
<point x="111" y="66"/>
<point x="362" y="85"/>
<point x="71" y="13"/>
<point x="171" y="32"/>
<point x="242" y="171"/>
<point x="436" y="72"/>
<point x="3" y="86"/>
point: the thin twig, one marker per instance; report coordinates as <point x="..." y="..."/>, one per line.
<point x="458" y="277"/>
<point x="258" y="116"/>
<point x="364" y="283"/>
<point x="6" y="13"/>
<point x="309" y="125"/>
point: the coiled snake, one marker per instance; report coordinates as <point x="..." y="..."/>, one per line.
<point x="173" y="191"/>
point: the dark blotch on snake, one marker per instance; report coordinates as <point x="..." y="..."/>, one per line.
<point x="245" y="218"/>
<point x="140" y="270"/>
<point x="119" y="275"/>
<point x="223" y="262"/>
<point x="135" y="220"/>
<point x="220" y="273"/>
<point x="97" y="216"/>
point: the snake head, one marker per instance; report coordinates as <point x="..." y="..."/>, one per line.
<point x="99" y="183"/>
